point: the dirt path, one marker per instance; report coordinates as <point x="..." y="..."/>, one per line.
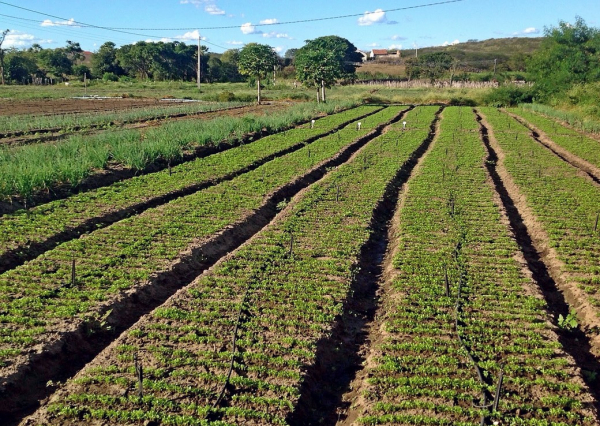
<point x="541" y="137"/>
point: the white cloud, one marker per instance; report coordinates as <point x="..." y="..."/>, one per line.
<point x="269" y="21"/>
<point x="397" y="38"/>
<point x="210" y="6"/>
<point x="446" y="43"/>
<point x="248" y="28"/>
<point x="235" y="43"/>
<point x="376" y="17"/>
<point x="212" y="9"/>
<point x="531" y="30"/>
<point x="69" y="23"/>
<point x="373" y="45"/>
<point x="278" y="49"/>
<point x="395" y="47"/>
<point x="22" y="40"/>
<point x="189" y="36"/>
<point x="274" y="34"/>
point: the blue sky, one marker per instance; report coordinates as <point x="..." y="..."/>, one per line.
<point x="226" y="24"/>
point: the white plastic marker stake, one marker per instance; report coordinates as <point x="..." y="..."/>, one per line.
<point x="312" y="124"/>
<point x="403" y="125"/>
<point x="358" y="125"/>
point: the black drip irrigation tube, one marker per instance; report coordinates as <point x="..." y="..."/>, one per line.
<point x="485" y="396"/>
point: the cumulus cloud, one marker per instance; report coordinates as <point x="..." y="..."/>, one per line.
<point x="248" y="28"/>
<point x="269" y="21"/>
<point x="452" y="43"/>
<point x="210" y="6"/>
<point x="235" y="43"/>
<point x="23" y="40"/>
<point x="373" y="45"/>
<point x="398" y="38"/>
<point x="189" y="36"/>
<point x="376" y="17"/>
<point x="531" y="30"/>
<point x="69" y="23"/>
<point x="395" y="47"/>
<point x="274" y="34"/>
<point x="278" y="49"/>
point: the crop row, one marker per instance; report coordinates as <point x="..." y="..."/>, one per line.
<point x="575" y="142"/>
<point x="30" y="124"/>
<point x="26" y="233"/>
<point x="43" y="297"/>
<point x="460" y="310"/>
<point x="566" y="204"/>
<point x="251" y="325"/>
<point x="573" y="119"/>
<point x="31" y="169"/>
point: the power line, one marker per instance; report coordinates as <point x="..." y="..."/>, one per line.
<point x="81" y="24"/>
<point x="123" y="29"/>
<point x="298" y="21"/>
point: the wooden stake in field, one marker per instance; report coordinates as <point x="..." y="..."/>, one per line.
<point x="199" y="56"/>
<point x="139" y="372"/>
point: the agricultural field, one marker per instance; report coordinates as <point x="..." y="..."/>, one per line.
<point x="343" y="265"/>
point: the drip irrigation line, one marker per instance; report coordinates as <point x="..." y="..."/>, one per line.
<point x="234" y="349"/>
<point x="458" y="310"/>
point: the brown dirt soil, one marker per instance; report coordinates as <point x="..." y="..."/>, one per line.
<point x="66" y="106"/>
<point x="575" y="297"/>
<point x="574" y="160"/>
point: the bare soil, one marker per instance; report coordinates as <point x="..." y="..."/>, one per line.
<point x="71" y="106"/>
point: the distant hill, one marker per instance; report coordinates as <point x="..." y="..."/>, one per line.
<point x="474" y="55"/>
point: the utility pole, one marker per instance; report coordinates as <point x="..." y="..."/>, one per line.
<point x="2" y="54"/>
<point x="199" y="54"/>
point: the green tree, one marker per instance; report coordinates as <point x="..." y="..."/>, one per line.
<point x="137" y="59"/>
<point x="431" y="66"/>
<point x="215" y="69"/>
<point x="229" y="62"/>
<point x="55" y="61"/>
<point x="257" y="60"/>
<point x="20" y="66"/>
<point x="569" y="54"/>
<point x="325" y="60"/>
<point x="2" y="52"/>
<point x="105" y="61"/>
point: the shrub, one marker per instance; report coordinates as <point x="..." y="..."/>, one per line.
<point x="509" y="95"/>
<point x="110" y="76"/>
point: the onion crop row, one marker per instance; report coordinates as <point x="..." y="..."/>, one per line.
<point x="276" y="297"/>
<point x="458" y="312"/>
<point x="27" y="170"/>
<point x="572" y="119"/>
<point x="33" y="123"/>
<point x="27" y="232"/>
